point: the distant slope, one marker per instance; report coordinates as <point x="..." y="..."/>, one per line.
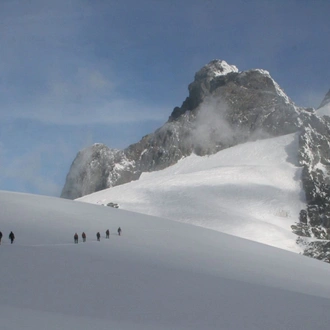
<point x="252" y="190"/>
<point x="159" y="275"/>
<point x="324" y="110"/>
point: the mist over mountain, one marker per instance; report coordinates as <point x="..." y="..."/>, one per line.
<point x="225" y="107"/>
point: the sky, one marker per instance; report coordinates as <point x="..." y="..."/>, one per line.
<point x="78" y="72"/>
<point x="158" y="275"/>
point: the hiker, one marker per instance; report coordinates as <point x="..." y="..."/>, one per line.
<point x="119" y="231"/>
<point x="75" y="238"/>
<point x="98" y="235"/>
<point x="107" y="233"/>
<point x="83" y="235"/>
<point x="11" y="237"/>
<point x="0" y="236"/>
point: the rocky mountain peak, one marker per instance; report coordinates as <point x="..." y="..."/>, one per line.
<point x="224" y="107"/>
<point x="214" y="69"/>
<point x="202" y="84"/>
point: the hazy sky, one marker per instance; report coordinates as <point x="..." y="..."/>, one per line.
<point x="76" y="72"/>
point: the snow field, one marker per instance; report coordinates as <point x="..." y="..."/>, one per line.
<point x="160" y="274"/>
<point x="251" y="190"/>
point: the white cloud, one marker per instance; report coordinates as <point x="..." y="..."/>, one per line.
<point x="26" y="171"/>
<point x="88" y="97"/>
<point x="49" y="72"/>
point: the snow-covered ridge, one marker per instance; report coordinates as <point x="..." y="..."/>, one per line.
<point x="248" y="190"/>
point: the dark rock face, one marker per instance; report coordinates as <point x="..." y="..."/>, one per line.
<point x="314" y="157"/>
<point x="314" y="154"/>
<point x="94" y="169"/>
<point x="88" y="172"/>
<point x="249" y="100"/>
<point x="318" y="250"/>
<point x="224" y="107"/>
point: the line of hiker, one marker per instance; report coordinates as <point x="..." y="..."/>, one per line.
<point x="98" y="235"/>
<point x="11" y="237"/>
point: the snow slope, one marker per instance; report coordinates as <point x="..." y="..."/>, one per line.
<point x="324" y="111"/>
<point x="160" y="274"/>
<point x="252" y="190"/>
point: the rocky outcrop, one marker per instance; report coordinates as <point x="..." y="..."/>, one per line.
<point x="96" y="168"/>
<point x="224" y="107"/>
<point x="314" y="154"/>
<point x="314" y="157"/>
<point x="319" y="250"/>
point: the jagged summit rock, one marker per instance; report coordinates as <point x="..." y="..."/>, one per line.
<point x="249" y="100"/>
<point x="201" y="85"/>
<point x="215" y="68"/>
<point x="224" y="107"/>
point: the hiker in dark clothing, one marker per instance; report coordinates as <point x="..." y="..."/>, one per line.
<point x="107" y="233"/>
<point x="11" y="237"/>
<point x="98" y="235"/>
<point x="119" y="231"/>
<point x="75" y="238"/>
<point x="83" y="235"/>
<point x="0" y="236"/>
